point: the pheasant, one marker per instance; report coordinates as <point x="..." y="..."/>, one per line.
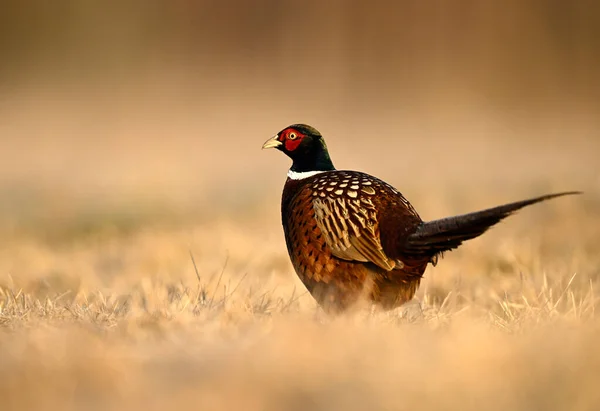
<point x="351" y="236"/>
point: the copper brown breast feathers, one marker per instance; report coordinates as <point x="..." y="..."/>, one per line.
<point x="352" y="237"/>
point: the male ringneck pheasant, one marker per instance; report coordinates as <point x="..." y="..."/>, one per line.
<point x="351" y="236"/>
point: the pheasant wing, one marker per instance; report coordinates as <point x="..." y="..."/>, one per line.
<point x="347" y="217"/>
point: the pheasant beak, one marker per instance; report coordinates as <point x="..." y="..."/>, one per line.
<point x="273" y="142"/>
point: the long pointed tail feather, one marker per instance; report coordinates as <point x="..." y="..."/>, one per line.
<point x="435" y="237"/>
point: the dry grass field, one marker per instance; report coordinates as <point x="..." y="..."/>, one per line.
<point x="142" y="261"/>
<point x="101" y="306"/>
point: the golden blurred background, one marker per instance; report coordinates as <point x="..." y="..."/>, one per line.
<point x="211" y="71"/>
<point x="162" y="102"/>
<point x="130" y="135"/>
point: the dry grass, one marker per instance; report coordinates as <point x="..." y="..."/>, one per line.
<point x="242" y="337"/>
<point x="102" y="307"/>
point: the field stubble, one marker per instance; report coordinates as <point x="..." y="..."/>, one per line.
<point x="112" y="297"/>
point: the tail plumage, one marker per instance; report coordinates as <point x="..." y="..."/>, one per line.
<point x="435" y="237"/>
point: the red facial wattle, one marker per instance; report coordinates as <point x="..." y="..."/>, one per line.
<point x="291" y="144"/>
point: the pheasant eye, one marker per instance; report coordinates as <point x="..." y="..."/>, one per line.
<point x="292" y="136"/>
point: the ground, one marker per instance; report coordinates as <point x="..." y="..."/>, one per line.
<point x="140" y="272"/>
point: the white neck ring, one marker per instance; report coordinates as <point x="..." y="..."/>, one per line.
<point x="294" y="175"/>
